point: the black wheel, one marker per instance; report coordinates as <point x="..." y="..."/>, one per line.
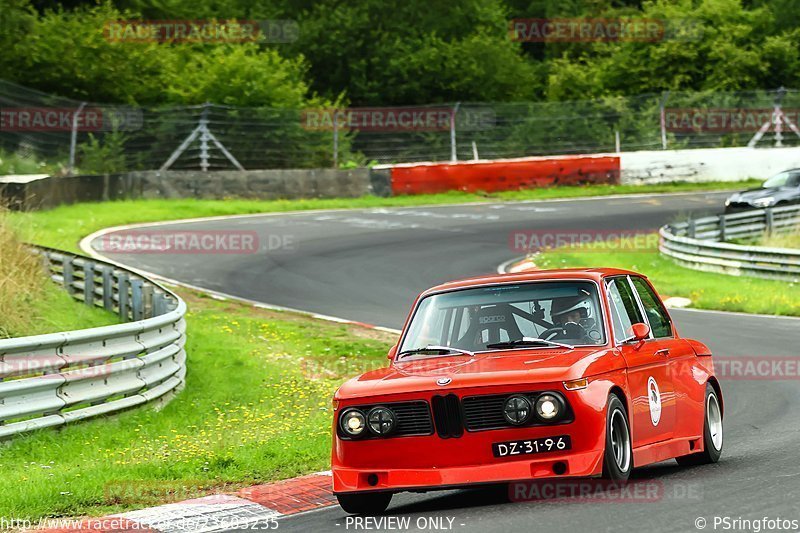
<point x="712" y="433"/>
<point x="618" y="457"/>
<point x="367" y="503"/>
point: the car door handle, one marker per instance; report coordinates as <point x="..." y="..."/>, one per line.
<point x="663" y="351"/>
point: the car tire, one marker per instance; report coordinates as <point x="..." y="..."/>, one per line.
<point x="364" y="503"/>
<point x="618" y="455"/>
<point x="712" y="432"/>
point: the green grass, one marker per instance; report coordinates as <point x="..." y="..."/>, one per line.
<point x="64" y="226"/>
<point x="54" y="310"/>
<point x="783" y="240"/>
<point x="706" y="290"/>
<point x="256" y="408"/>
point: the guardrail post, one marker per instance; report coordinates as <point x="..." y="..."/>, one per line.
<point x="769" y="220"/>
<point x="147" y="300"/>
<point x="722" y="228"/>
<point x="158" y="303"/>
<point x="108" y="289"/>
<point x="88" y="283"/>
<point x="68" y="274"/>
<point x="137" y="304"/>
<point x="123" y="284"/>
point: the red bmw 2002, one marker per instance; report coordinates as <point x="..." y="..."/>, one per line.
<point x="547" y="374"/>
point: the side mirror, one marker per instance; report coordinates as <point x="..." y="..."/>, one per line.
<point x="392" y="353"/>
<point x="640" y="332"/>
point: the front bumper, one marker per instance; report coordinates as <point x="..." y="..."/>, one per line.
<point x="584" y="464"/>
<point x="430" y="462"/>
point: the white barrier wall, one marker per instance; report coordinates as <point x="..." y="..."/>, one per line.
<point x="712" y="164"/>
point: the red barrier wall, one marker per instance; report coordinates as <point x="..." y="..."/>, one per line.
<point x="504" y="175"/>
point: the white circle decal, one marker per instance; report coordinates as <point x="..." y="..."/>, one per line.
<point x="654" y="398"/>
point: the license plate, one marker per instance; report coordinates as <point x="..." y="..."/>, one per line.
<point x="531" y="446"/>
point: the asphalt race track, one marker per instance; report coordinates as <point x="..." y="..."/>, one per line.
<point x="367" y="265"/>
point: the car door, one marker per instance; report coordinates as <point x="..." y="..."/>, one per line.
<point x="679" y="353"/>
<point x="650" y="381"/>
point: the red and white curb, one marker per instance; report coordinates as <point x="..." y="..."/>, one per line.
<point x="261" y="504"/>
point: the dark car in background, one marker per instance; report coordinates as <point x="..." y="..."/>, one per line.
<point x="780" y="189"/>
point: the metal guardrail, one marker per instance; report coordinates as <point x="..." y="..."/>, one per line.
<point x="54" y="379"/>
<point x="700" y="244"/>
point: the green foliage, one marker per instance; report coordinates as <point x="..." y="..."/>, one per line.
<point x="102" y="156"/>
<point x="408" y="52"/>
<point x="67" y="53"/>
<point x="18" y="163"/>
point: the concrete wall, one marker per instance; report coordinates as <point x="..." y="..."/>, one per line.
<point x="713" y="164"/>
<point x="44" y="192"/>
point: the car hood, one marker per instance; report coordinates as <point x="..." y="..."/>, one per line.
<point x="755" y="194"/>
<point x="490" y="369"/>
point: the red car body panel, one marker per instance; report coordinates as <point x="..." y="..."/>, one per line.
<point x="682" y="367"/>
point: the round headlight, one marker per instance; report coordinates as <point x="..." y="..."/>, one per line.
<point x="352" y="422"/>
<point x="381" y="420"/>
<point x="517" y="410"/>
<point x="548" y="407"/>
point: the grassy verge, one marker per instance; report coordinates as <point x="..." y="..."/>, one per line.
<point x="256" y="408"/>
<point x="706" y="290"/>
<point x="784" y="240"/>
<point x="64" y="226"/>
<point x="29" y="303"/>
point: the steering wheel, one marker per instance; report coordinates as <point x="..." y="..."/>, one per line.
<point x="570" y="330"/>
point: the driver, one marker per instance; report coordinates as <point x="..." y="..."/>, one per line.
<point x="574" y="315"/>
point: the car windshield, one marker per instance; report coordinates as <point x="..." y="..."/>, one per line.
<point x="512" y="316"/>
<point x="784" y="179"/>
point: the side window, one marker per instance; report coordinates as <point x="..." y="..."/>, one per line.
<point x="656" y="314"/>
<point x="624" y="310"/>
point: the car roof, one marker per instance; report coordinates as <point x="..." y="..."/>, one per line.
<point x="592" y="274"/>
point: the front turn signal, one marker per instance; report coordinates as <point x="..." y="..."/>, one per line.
<point x="576" y="384"/>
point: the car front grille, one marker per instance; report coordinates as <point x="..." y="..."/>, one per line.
<point x="413" y="418"/>
<point x="486" y="412"/>
<point x="447" y="415"/>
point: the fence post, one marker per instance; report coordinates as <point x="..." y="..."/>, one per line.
<point x="769" y="220"/>
<point x="204" y="137"/>
<point x="722" y="228"/>
<point x="663" y="110"/>
<point x="73" y="140"/>
<point x="453" y="153"/>
<point x="335" y="138"/>
<point x="88" y="283"/>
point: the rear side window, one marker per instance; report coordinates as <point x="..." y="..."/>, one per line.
<point x="656" y="314"/>
<point x="624" y="309"/>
